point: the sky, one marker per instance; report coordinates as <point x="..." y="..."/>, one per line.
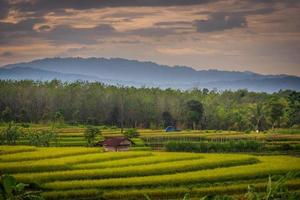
<point x="238" y="35"/>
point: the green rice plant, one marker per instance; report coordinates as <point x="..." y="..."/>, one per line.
<point x="286" y="131"/>
<point x="138" y="142"/>
<point x="140" y="149"/>
<point x="66" y="162"/>
<point x="43" y="153"/>
<point x="211" y="175"/>
<point x="71" y="139"/>
<point x="162" y="192"/>
<point x="195" y="192"/>
<point x="140" y="170"/>
<point x="15" y="149"/>
<point x="73" y="194"/>
<point x="230" y="146"/>
<point x="156" y="157"/>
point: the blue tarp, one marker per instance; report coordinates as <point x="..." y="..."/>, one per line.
<point x="171" y="129"/>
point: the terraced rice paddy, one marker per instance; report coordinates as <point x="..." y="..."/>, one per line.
<point x="90" y="173"/>
<point x="72" y="136"/>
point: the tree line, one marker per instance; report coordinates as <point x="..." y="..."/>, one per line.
<point x="98" y="104"/>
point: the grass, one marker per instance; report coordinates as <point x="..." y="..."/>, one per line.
<point x="47" y="153"/>
<point x="139" y="170"/>
<point x="162" y="193"/>
<point x="219" y="174"/>
<point x="286" y="131"/>
<point x="45" y="164"/>
<point x="15" y="149"/>
<point x="157" y="157"/>
<point x="174" y="192"/>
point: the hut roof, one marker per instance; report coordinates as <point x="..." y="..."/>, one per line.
<point x="114" y="141"/>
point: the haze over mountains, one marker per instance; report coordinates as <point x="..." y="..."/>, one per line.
<point x="117" y="71"/>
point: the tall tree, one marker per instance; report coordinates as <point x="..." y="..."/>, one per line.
<point x="276" y="112"/>
<point x="167" y="119"/>
<point x="194" y="113"/>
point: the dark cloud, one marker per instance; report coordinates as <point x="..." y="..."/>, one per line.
<point x="24" y="25"/>
<point x="44" y="28"/>
<point x="11" y="33"/>
<point x="76" y="50"/>
<point x="4" y="8"/>
<point x="127" y="15"/>
<point x="6" y="54"/>
<point x="67" y="34"/>
<point x="220" y="22"/>
<point x="44" y="6"/>
<point x="152" y="32"/>
<point x="174" y="23"/>
<point x="275" y="1"/>
<point x="16" y="33"/>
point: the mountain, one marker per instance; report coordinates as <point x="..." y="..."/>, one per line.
<point x="21" y="73"/>
<point x="136" y="73"/>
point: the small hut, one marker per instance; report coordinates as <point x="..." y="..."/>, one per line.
<point x="116" y="144"/>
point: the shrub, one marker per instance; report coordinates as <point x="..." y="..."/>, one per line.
<point x="131" y="133"/>
<point x="11" y="190"/>
<point x="10" y="135"/>
<point x="42" y="138"/>
<point x="231" y="146"/>
<point x="25" y="125"/>
<point x="90" y="135"/>
<point x="286" y="147"/>
<point x="275" y="191"/>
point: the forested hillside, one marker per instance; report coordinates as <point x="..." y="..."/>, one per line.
<point x="98" y="104"/>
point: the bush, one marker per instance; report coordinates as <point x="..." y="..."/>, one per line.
<point x="90" y="135"/>
<point x="42" y="138"/>
<point x="113" y="127"/>
<point x="232" y="146"/>
<point x="104" y="127"/>
<point x="131" y="133"/>
<point x="286" y="147"/>
<point x="248" y="131"/>
<point x="11" y="190"/>
<point x="10" y="135"/>
<point x="25" y="125"/>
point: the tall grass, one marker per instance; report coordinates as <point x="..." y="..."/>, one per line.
<point x="64" y="162"/>
<point x="212" y="175"/>
<point x="162" y="193"/>
<point x="175" y="192"/>
<point x="286" y="131"/>
<point x="140" y="170"/>
<point x="15" y="149"/>
<point x="45" y="153"/>
<point x="231" y="146"/>
<point x="155" y="158"/>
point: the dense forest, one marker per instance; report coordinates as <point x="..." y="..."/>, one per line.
<point x="99" y="104"/>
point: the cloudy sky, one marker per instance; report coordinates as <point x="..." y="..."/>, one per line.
<point x="256" y="35"/>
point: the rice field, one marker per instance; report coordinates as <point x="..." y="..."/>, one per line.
<point x="90" y="173"/>
<point x="72" y="136"/>
<point x="70" y="170"/>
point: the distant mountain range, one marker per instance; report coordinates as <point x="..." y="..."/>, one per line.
<point x="117" y="71"/>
